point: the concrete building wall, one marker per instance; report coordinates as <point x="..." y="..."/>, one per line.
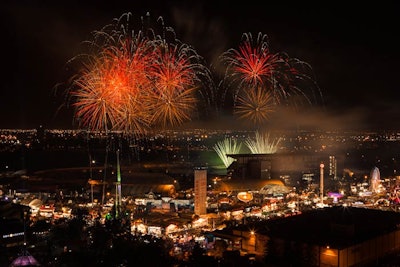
<point x="200" y="191"/>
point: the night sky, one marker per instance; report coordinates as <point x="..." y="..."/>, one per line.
<point x="353" y="50"/>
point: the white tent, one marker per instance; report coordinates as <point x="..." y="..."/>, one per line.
<point x="35" y="204"/>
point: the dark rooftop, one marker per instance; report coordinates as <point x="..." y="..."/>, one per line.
<point x="337" y="227"/>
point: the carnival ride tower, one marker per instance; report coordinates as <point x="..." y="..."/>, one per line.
<point x="321" y="183"/>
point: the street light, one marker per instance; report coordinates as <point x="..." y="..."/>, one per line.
<point x="253" y="238"/>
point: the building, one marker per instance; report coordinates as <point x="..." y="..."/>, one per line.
<point x="140" y="184"/>
<point x="12" y="228"/>
<point x="336" y="236"/>
<point x="333" y="167"/>
<point x="267" y="166"/>
<point x="200" y="191"/>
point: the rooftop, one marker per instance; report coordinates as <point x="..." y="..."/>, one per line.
<point x="338" y="227"/>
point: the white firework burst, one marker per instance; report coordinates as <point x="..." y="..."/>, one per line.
<point x="226" y="147"/>
<point x="263" y="144"/>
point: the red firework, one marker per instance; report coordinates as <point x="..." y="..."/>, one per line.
<point x="134" y="65"/>
<point x="254" y="65"/>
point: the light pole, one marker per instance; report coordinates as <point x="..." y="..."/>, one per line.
<point x="91" y="161"/>
<point x="118" y="188"/>
<point x="253" y="236"/>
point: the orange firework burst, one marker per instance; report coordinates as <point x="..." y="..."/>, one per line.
<point x="111" y="84"/>
<point x="254" y="105"/>
<point x="174" y="86"/>
<point x="174" y="107"/>
<point x="136" y="80"/>
<point x="134" y="111"/>
<point x="98" y="95"/>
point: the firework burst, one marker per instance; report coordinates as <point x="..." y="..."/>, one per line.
<point x="226" y="147"/>
<point x="174" y="79"/>
<point x="255" y="106"/>
<point x="97" y="101"/>
<point x="135" y="79"/>
<point x="262" y="144"/>
<point x="253" y="65"/>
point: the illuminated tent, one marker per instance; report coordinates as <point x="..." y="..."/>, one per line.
<point x="274" y="187"/>
<point x="35" y="203"/>
<point x="25" y="259"/>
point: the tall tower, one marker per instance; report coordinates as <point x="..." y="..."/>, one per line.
<point x="321" y="183"/>
<point x="118" y="188"/>
<point x="200" y="191"/>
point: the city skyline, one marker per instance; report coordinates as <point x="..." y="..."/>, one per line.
<point x="349" y="50"/>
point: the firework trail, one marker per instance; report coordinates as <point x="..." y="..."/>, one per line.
<point x="262" y="144"/>
<point x="226" y="147"/>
